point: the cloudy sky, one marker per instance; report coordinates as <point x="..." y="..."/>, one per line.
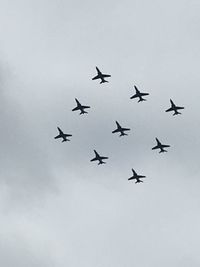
<point x="58" y="209"/>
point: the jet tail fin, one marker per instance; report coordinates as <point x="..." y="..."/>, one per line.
<point x="122" y="134"/>
<point x="163" y="150"/>
<point x="142" y="99"/>
<point x="83" y="112"/>
<point x="177" y="113"/>
<point x="104" y="81"/>
<point x="139" y="181"/>
<point x="101" y="162"/>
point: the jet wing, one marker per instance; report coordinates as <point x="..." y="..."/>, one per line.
<point x="158" y="142"/>
<point x="155" y="147"/>
<point x="96" y="154"/>
<point x="172" y="103"/>
<point x="118" y="125"/>
<point x="76" y="108"/>
<point x="98" y="71"/>
<point x="143" y="94"/>
<point x="106" y="75"/>
<point x="134" y="96"/>
<point x="141" y="176"/>
<point x="170" y="109"/>
<point x="104" y="157"/>
<point x="96" y="77"/>
<point x="134" y="172"/>
<point x="137" y="91"/>
<point x="131" y="178"/>
<point x="93" y="159"/>
<point x="165" y="145"/>
<point x="60" y="131"/>
<point x="85" y="106"/>
<point x="126" y="129"/>
<point x="115" y="131"/>
<point x="56" y="137"/>
<point x="77" y="102"/>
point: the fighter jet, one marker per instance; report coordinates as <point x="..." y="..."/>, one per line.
<point x="101" y="76"/>
<point x="160" y="146"/>
<point x="120" y="130"/>
<point x="136" y="177"/>
<point x="174" y="108"/>
<point x="62" y="135"/>
<point x="80" y="107"/>
<point x="99" y="158"/>
<point x="139" y="95"/>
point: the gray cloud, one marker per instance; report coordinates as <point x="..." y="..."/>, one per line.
<point x="59" y="209"/>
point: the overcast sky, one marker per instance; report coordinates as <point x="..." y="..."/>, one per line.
<point x="57" y="208"/>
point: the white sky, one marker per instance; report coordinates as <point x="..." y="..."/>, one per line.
<point x="57" y="209"/>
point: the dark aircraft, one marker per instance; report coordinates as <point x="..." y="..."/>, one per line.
<point x="101" y="76"/>
<point x="139" y="95"/>
<point x="174" y="108"/>
<point x="160" y="146"/>
<point x="99" y="158"/>
<point x="62" y="135"/>
<point x="120" y="130"/>
<point x="136" y="177"/>
<point x="80" y="107"/>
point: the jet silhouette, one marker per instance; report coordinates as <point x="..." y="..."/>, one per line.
<point x="136" y="177"/>
<point x="99" y="158"/>
<point x="62" y="135"/>
<point x="174" y="108"/>
<point x="160" y="146"/>
<point x="80" y="107"/>
<point x="139" y="95"/>
<point x="120" y="130"/>
<point x="101" y="76"/>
